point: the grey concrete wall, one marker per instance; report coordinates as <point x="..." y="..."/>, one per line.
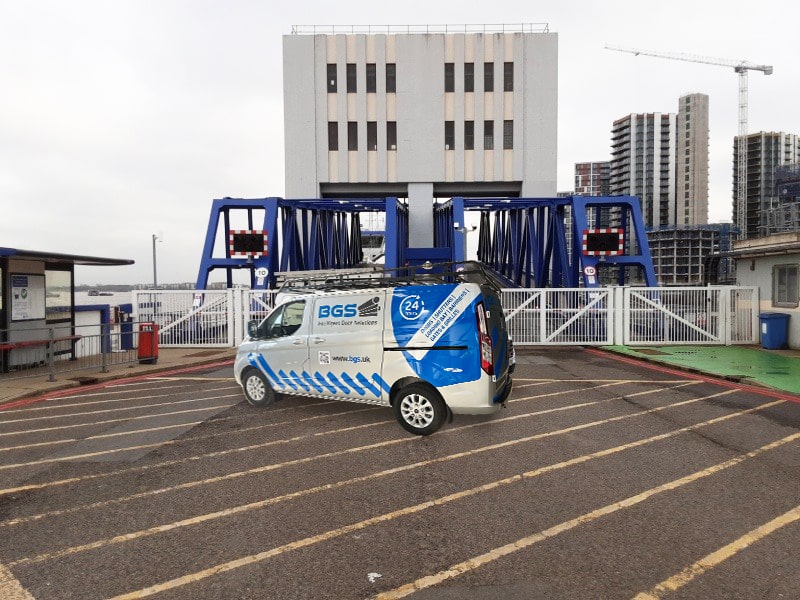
<point x="420" y="110"/>
<point x="300" y="116"/>
<point x="540" y="112"/>
<point x="760" y="276"/>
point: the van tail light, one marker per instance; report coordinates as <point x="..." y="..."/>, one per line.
<point x="485" y="340"/>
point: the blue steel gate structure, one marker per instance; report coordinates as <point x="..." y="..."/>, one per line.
<point x="528" y="242"/>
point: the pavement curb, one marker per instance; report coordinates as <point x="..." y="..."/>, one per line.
<point x="102" y="379"/>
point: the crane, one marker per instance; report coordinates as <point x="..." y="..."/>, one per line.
<point x="742" y="67"/>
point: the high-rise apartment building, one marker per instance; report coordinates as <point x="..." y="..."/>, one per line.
<point x="421" y="115"/>
<point x="691" y="161"/>
<point x="593" y="178"/>
<point x="643" y="164"/>
<point x="765" y="153"/>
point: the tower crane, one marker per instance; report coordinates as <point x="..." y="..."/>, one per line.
<point x="742" y="67"/>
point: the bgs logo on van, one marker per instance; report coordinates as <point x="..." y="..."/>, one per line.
<point x="369" y="308"/>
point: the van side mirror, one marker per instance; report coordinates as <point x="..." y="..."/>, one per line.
<point x="252" y="329"/>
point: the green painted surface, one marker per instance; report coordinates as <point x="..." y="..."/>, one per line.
<point x="778" y="369"/>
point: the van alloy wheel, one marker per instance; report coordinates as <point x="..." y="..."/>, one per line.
<point x="257" y="389"/>
<point x="419" y="409"/>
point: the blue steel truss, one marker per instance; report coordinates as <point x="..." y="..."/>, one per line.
<point x="528" y="242"/>
<point x="301" y="235"/>
<point x="537" y="242"/>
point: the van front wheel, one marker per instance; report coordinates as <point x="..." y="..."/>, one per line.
<point x="419" y="409"/>
<point x="257" y="389"/>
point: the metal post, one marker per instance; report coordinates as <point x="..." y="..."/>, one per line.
<point x="155" y="278"/>
<point x="51" y="361"/>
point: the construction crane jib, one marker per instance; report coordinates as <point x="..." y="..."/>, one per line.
<point x="742" y="67"/>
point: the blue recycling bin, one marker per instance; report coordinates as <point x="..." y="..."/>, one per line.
<point x="774" y="330"/>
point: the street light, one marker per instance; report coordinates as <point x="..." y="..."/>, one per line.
<point x="156" y="238"/>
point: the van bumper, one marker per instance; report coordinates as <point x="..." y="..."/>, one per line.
<point x="465" y="401"/>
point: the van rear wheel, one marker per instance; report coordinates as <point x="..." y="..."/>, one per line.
<point x="419" y="409"/>
<point x="257" y="389"/>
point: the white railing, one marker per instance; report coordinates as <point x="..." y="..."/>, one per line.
<point x="632" y="316"/>
<point x="189" y="318"/>
<point x="579" y="316"/>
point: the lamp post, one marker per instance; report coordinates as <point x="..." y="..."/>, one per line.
<point x="156" y="238"/>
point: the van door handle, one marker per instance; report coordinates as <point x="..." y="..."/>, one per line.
<point x="318" y="340"/>
<point x="298" y="342"/>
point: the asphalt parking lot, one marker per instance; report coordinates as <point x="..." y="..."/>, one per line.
<point x="601" y="479"/>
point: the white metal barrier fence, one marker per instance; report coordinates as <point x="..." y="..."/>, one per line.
<point x="632" y="316"/>
<point x="580" y="316"/>
<point x="189" y="318"/>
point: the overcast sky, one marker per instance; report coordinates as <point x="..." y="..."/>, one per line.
<point x="121" y="119"/>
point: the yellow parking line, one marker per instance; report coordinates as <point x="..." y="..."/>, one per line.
<point x="127" y="408"/>
<point x="719" y="556"/>
<point x="497" y="553"/>
<point x="112" y="435"/>
<point x="10" y="588"/>
<point x="35" y="408"/>
<point x="106" y="422"/>
<point x="322" y="433"/>
<point x="465" y="566"/>
<point x="393" y="471"/>
<point x="311" y="458"/>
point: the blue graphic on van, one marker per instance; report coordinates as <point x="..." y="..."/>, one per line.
<point x="442" y="349"/>
<point x="318" y="382"/>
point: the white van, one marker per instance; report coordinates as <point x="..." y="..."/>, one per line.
<point x="427" y="345"/>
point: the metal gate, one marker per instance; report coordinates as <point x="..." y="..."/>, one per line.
<point x="188" y="318"/>
<point x="559" y="316"/>
<point x="632" y="316"/>
<point x="575" y="316"/>
<point x="690" y="315"/>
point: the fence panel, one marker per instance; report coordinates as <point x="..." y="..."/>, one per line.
<point x="559" y="316"/>
<point x="743" y="311"/>
<point x="188" y="318"/>
<point x="674" y="316"/>
<point x="55" y="351"/>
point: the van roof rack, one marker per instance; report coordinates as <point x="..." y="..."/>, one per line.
<point x="373" y="277"/>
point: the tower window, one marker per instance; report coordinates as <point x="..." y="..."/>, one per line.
<point x="508" y="77"/>
<point x="469" y="135"/>
<point x="391" y="135"/>
<point x="469" y="77"/>
<point x="331" y="78"/>
<point x="391" y="78"/>
<point x="449" y="77"/>
<point x="488" y="135"/>
<point x="333" y="135"/>
<point x="488" y="77"/>
<point x="508" y="135"/>
<point x="351" y="78"/>
<point x="371" y="78"/>
<point x="352" y="135"/>
<point x="372" y="135"/>
<point x="449" y="135"/>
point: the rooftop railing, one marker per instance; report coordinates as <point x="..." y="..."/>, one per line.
<point x="406" y="29"/>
